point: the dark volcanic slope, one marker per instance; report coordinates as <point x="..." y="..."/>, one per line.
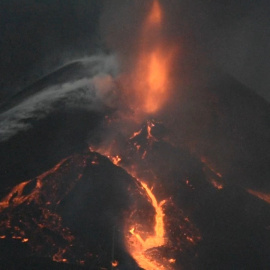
<point x="34" y="151"/>
<point x="54" y="127"/>
<point x="228" y="125"/>
<point x="70" y="212"/>
<point x="71" y="72"/>
<point x="234" y="225"/>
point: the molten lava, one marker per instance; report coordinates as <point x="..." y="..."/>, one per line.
<point x="151" y="80"/>
<point x="140" y="240"/>
<point x="138" y="247"/>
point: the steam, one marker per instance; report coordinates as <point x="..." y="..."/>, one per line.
<point x="93" y="92"/>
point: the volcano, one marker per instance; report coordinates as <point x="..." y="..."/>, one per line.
<point x="67" y="204"/>
<point x="135" y="167"/>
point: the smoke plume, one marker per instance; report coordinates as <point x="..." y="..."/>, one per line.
<point x="92" y="92"/>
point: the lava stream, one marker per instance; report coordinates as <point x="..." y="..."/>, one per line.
<point x="138" y="248"/>
<point x="136" y="245"/>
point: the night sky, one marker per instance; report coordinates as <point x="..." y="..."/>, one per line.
<point x="37" y="36"/>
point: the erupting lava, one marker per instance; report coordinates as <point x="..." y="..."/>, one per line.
<point x="151" y="83"/>
<point x="139" y="246"/>
<point x="144" y="239"/>
<point x="151" y="80"/>
<point x="136" y="244"/>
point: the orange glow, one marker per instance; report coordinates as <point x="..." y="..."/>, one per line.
<point x="216" y="184"/>
<point x="155" y="15"/>
<point x="214" y="177"/>
<point x="18" y="191"/>
<point x="43" y="195"/>
<point x="94" y="162"/>
<point x="140" y="241"/>
<point x="114" y="263"/>
<point x="140" y="238"/>
<point x="138" y="246"/>
<point x="263" y="196"/>
<point x="149" y="131"/>
<point x="58" y="257"/>
<point x="156" y="81"/>
<point x="115" y="160"/>
<point x="158" y="238"/>
<point x="136" y="134"/>
<point x="16" y="197"/>
<point x="151" y="78"/>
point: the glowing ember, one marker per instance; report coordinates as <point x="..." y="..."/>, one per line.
<point x="172" y="260"/>
<point x="216" y="184"/>
<point x="114" y="263"/>
<point x="115" y="160"/>
<point x="58" y="257"/>
<point x="136" y="134"/>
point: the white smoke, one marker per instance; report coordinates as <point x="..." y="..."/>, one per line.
<point x="91" y="92"/>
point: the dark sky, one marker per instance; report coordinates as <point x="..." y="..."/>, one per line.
<point x="39" y="35"/>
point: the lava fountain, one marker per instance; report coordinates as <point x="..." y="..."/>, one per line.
<point x="150" y="80"/>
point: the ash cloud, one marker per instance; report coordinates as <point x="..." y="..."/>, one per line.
<point x="94" y="91"/>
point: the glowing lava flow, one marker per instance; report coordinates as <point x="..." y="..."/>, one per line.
<point x="152" y="70"/>
<point x="137" y="245"/>
<point x="138" y="248"/>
